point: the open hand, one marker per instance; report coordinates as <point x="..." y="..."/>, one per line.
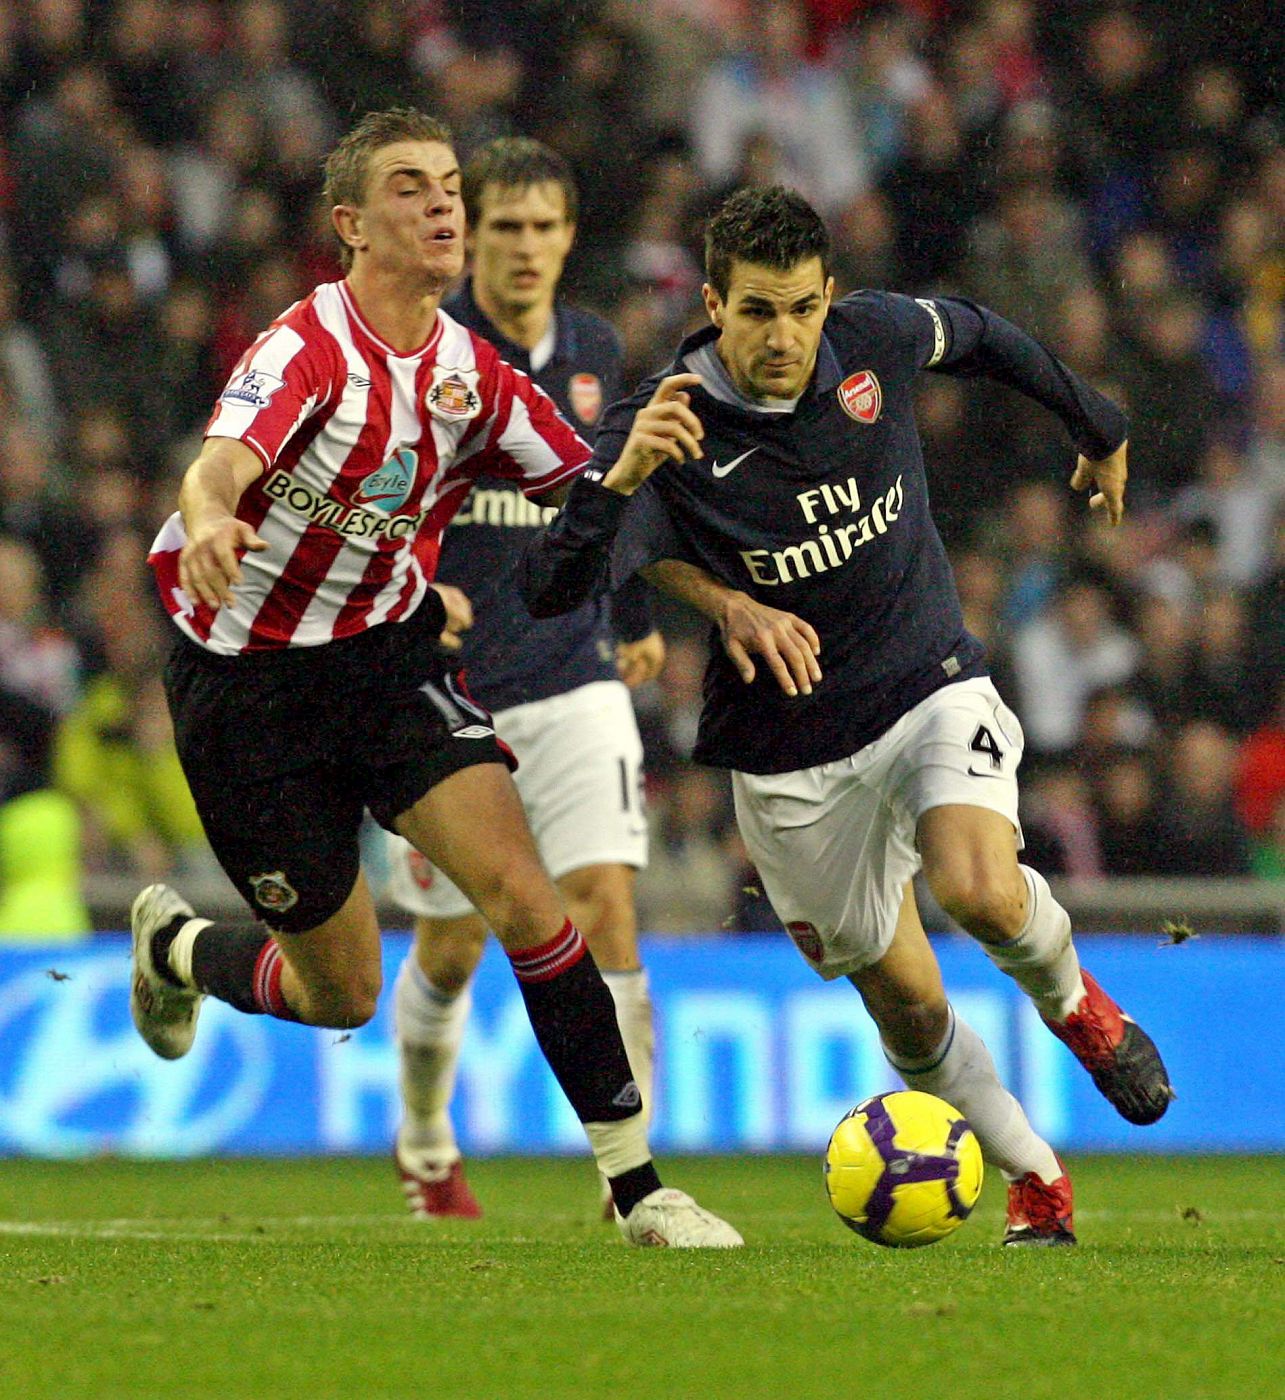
<point x="1109" y="475"/>
<point x="209" y="564"/>
<point x="787" y="644"/>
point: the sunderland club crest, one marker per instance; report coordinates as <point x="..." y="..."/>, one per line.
<point x="861" y="397"/>
<point x="453" y="394"/>
<point x="274" y="892"/>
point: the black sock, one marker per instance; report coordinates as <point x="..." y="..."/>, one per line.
<point x="630" y="1187"/>
<point x="161" y="941"/>
<point x="241" y="966"/>
<point x="574" y="1019"/>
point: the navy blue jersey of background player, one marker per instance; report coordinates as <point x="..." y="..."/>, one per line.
<point x="509" y="658"/>
<point x="824" y="512"/>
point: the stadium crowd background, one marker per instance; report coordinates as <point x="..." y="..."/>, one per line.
<point x="1111" y="176"/>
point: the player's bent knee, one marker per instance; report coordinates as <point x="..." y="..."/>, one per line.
<point x="521" y="906"/>
<point x="987" y="904"/>
<point x="449" y="951"/>
<point x="343" y="1006"/>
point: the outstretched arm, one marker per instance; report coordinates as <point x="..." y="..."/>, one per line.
<point x="788" y="644"/>
<point x="972" y="340"/>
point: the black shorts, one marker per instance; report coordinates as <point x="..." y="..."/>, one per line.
<point x="283" y="750"/>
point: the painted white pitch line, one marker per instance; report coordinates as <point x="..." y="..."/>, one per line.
<point x="161" y="1227"/>
<point x="215" y="1230"/>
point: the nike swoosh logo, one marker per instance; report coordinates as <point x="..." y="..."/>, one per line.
<point x="974" y="773"/>
<point x="732" y="465"/>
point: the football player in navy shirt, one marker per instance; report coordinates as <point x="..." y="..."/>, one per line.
<point x="772" y="478"/>
<point x="554" y="688"/>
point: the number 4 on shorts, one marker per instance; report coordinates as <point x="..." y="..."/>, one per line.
<point x="983" y="741"/>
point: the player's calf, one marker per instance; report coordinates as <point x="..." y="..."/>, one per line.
<point x="179" y="959"/>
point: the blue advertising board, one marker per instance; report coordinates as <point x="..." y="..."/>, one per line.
<point x="754" y="1054"/>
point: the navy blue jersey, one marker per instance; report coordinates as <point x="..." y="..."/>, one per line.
<point x="508" y="657"/>
<point x="823" y="512"/>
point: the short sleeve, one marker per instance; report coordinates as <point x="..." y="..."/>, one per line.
<point x="273" y="389"/>
<point x="531" y="442"/>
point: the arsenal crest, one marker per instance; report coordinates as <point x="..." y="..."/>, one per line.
<point x="861" y="397"/>
<point x="453" y="394"/>
<point x="806" y="939"/>
<point x="274" y="892"/>
<point x="585" y="393"/>
<point x="421" y="870"/>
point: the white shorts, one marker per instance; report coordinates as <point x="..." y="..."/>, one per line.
<point x="835" y="845"/>
<point x="580" y="779"/>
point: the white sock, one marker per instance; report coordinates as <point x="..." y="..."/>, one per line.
<point x="179" y="956"/>
<point x="430" y="1028"/>
<point x="619" y="1147"/>
<point x="1042" y="959"/>
<point x="632" y="995"/>
<point x="962" y="1072"/>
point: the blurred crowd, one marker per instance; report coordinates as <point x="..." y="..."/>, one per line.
<point x="1111" y="176"/>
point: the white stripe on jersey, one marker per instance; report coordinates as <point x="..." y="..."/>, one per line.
<point x="270" y="356"/>
<point x="520" y="438"/>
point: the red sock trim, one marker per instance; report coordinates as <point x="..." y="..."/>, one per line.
<point x="548" y="960"/>
<point x="267" y="983"/>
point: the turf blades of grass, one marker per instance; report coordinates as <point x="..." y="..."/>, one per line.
<point x="283" y="1279"/>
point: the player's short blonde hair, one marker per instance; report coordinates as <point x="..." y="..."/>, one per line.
<point x="347" y="167"/>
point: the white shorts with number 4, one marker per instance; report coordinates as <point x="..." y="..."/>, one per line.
<point x="835" y="845"/>
<point x="580" y="779"/>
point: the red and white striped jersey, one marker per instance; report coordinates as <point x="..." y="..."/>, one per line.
<point x="368" y="454"/>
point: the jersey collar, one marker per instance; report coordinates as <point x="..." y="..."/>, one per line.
<point x="463" y="306"/>
<point x="825" y="376"/>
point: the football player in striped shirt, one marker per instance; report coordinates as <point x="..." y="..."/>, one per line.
<point x="772" y="478"/>
<point x="554" y="688"/>
<point x="305" y="682"/>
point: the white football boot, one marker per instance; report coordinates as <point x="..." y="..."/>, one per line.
<point x="671" y="1219"/>
<point x="164" y="1014"/>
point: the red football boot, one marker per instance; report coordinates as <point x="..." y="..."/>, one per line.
<point x="1118" y="1053"/>
<point x="434" y="1191"/>
<point x="1039" y="1212"/>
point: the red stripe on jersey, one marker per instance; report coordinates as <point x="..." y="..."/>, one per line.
<point x="400" y="607"/>
<point x="546" y="424"/>
<point x="319" y="546"/>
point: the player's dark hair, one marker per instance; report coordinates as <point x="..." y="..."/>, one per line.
<point x="347" y="167"/>
<point x="770" y="226"/>
<point x="517" y="163"/>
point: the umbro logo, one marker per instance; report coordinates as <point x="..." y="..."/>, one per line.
<point x="358" y="381"/>
<point x="472" y="731"/>
<point x="628" y="1097"/>
<point x="732" y="465"/>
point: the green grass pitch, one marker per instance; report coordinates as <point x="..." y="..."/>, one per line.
<point x="304" y="1280"/>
